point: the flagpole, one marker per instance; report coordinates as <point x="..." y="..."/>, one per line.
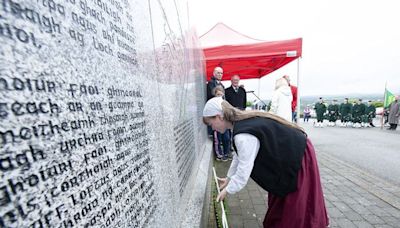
<point x="383" y="111"/>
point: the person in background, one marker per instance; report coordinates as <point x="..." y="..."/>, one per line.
<point x="333" y="113"/>
<point x="222" y="141"/>
<point x="306" y="113"/>
<point x="294" y="98"/>
<point x="345" y="112"/>
<point x="279" y="157"/>
<point x="357" y="112"/>
<point x="370" y="112"/>
<point x="394" y="113"/>
<point x="281" y="103"/>
<point x="214" y="82"/>
<point x="235" y="94"/>
<point x="320" y="109"/>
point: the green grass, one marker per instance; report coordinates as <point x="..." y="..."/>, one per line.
<point x="217" y="206"/>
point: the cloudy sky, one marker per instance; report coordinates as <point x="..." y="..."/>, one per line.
<point x="349" y="46"/>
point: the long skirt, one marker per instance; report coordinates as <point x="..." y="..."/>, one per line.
<point x="304" y="208"/>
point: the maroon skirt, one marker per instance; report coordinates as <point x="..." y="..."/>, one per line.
<point x="304" y="208"/>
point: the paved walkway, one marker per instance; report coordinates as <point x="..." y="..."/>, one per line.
<point x="354" y="198"/>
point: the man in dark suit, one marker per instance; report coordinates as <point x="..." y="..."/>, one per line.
<point x="214" y="82"/>
<point x="235" y="94"/>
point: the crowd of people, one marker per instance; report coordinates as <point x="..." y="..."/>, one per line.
<point x="355" y="115"/>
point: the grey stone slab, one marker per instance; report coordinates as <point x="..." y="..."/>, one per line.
<point x="260" y="209"/>
<point x="233" y="203"/>
<point x="244" y="196"/>
<point x="373" y="219"/>
<point x="251" y="223"/>
<point x="235" y="210"/>
<point x="255" y="193"/>
<point x="389" y="219"/>
<point x="359" y="208"/>
<point x="349" y="200"/>
<point x="249" y="213"/>
<point x="246" y="203"/>
<point x="258" y="201"/>
<point x="392" y="211"/>
<point x="341" y="206"/>
<point x="353" y="216"/>
<point x="235" y="221"/>
<point x="394" y="223"/>
<point x="345" y="223"/>
<point x="383" y="226"/>
<point x="363" y="224"/>
<point x="378" y="211"/>
<point x="335" y="213"/>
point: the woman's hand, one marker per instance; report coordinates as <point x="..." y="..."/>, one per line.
<point x="223" y="182"/>
<point x="221" y="195"/>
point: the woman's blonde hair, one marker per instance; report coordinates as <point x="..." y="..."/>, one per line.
<point x="233" y="114"/>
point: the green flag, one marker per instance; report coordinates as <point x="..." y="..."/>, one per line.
<point x="389" y="98"/>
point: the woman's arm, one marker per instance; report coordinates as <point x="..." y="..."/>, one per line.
<point x="247" y="146"/>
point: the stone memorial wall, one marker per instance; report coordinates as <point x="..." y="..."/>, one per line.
<point x="100" y="114"/>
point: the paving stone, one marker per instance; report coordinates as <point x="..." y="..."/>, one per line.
<point x="258" y="201"/>
<point x="394" y="223"/>
<point x="363" y="224"/>
<point x="335" y="213"/>
<point x="383" y="226"/>
<point x="254" y="193"/>
<point x="374" y="220"/>
<point x="246" y="203"/>
<point x="235" y="210"/>
<point x="345" y="223"/>
<point x="360" y="209"/>
<point x="233" y="203"/>
<point x="260" y="209"/>
<point x="235" y="221"/>
<point x="378" y="211"/>
<point x="244" y="196"/>
<point x="251" y="223"/>
<point x="249" y="213"/>
<point x="389" y="219"/>
<point x="341" y="206"/>
<point x="348" y="200"/>
<point x="328" y="203"/>
<point x="392" y="211"/>
<point x="353" y="216"/>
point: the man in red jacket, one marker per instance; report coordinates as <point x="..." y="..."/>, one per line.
<point x="294" y="101"/>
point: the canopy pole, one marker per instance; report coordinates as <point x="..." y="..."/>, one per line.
<point x="298" y="89"/>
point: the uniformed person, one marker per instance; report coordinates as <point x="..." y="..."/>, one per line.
<point x="320" y="109"/>
<point x="370" y="112"/>
<point x="333" y="112"/>
<point x="357" y="112"/>
<point x="345" y="112"/>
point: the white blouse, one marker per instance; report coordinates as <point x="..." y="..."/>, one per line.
<point x="247" y="146"/>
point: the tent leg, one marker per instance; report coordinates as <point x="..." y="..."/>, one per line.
<point x="298" y="90"/>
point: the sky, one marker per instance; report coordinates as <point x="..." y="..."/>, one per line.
<point x="349" y="46"/>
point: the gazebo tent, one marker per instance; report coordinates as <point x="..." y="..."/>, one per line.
<point x="239" y="54"/>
